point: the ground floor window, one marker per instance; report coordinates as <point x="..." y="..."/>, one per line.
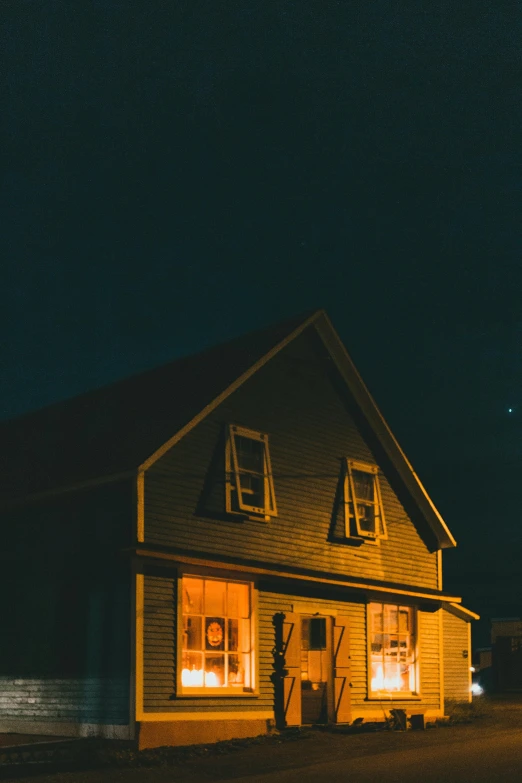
<point x="392" y="648"/>
<point x="217" y="643"/>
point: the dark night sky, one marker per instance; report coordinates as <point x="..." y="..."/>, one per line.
<point x="178" y="173"/>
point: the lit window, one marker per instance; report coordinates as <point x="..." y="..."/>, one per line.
<point x="217" y="650"/>
<point x="392" y="649"/>
<point x="364" y="515"/>
<point x="250" y="486"/>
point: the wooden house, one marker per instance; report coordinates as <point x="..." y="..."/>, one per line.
<point x="228" y="543"/>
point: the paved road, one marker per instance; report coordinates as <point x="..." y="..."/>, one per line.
<point x="488" y="751"/>
<point x="484" y="759"/>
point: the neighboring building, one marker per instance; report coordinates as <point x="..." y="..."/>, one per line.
<point x="506" y="653"/>
<point x="229" y="542"/>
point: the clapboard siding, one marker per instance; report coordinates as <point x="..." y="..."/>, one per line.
<point x="160" y="655"/>
<point x="429" y="658"/>
<point x="428" y="646"/>
<point x="311" y="430"/>
<point x="90" y="700"/>
<point x="456" y="664"/>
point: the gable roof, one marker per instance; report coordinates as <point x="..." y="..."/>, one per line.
<point x="125" y="427"/>
<point x="114" y="429"/>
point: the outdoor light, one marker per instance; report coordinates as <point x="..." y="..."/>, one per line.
<point x="476" y="689"/>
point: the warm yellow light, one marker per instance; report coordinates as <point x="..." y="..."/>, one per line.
<point x="386" y="683"/>
<point x="193" y="678"/>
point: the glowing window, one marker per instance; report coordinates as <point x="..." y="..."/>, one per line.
<point x="250" y="485"/>
<point x="364" y="514"/>
<point x="392" y="649"/>
<point x="217" y="649"/>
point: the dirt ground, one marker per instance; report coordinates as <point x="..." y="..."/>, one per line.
<point x="291" y="750"/>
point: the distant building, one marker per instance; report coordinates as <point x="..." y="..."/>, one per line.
<point x="229" y="542"/>
<point x="506" y="642"/>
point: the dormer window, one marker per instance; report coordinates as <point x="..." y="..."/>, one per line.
<point x="364" y="515"/>
<point x="250" y="485"/>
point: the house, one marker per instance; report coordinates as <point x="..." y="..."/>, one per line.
<point x="230" y="542"/>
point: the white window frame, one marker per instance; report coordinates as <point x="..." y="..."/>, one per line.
<point x="234" y="471"/>
<point x="204" y="690"/>
<point x="414" y="693"/>
<point x="352" y="521"/>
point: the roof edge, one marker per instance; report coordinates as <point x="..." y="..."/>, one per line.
<point x="333" y="343"/>
<point x="378" y="423"/>
<point x="229" y="390"/>
<point x="460" y="611"/>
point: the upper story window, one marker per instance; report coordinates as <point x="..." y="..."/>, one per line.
<point x="364" y="514"/>
<point x="250" y="485"/>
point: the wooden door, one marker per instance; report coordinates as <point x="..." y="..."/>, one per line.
<point x="315" y="669"/>
<point x="292" y="677"/>
<point x="342" y="671"/>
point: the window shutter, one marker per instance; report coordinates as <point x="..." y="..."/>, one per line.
<point x="342" y="685"/>
<point x="292" y="679"/>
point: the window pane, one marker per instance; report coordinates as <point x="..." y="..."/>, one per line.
<point x="377" y="617"/>
<point x="363" y="483"/>
<point x="366" y="516"/>
<point x="192" y="671"/>
<point x="192" y="633"/>
<point x="238" y="600"/>
<point x="233" y="635"/>
<point x="250" y="454"/>
<point x="246" y="667"/>
<point x="214" y="671"/>
<point x="253" y="488"/>
<point x="236" y="674"/>
<point x="404" y="619"/>
<point x="215" y="597"/>
<point x="390" y="613"/>
<point x="245" y="642"/>
<point x="318" y="633"/>
<point x="192" y="595"/>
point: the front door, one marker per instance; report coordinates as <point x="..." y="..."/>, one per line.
<point x="315" y="669"/>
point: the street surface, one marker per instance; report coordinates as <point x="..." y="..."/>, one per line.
<point x="487" y="750"/>
<point x="495" y="757"/>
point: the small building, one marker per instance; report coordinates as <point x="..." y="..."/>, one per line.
<point x="506" y="653"/>
<point x="230" y="542"/>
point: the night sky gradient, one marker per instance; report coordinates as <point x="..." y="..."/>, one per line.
<point x="178" y="173"/>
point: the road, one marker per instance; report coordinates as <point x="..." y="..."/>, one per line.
<point x="497" y="756"/>
<point x="485" y="751"/>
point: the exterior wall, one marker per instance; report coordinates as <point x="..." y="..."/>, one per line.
<point x="65" y="707"/>
<point x="506" y="653"/>
<point x="457" y="673"/>
<point x="167" y="719"/>
<point x="511" y="626"/>
<point x="311" y="429"/>
<point x="67" y="616"/>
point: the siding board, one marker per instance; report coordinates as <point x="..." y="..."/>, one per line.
<point x="456" y="664"/>
<point x="307" y="443"/>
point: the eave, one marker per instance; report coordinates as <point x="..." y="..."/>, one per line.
<point x="169" y="555"/>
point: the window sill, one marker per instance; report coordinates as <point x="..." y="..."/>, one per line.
<point x="213" y="693"/>
<point x="392" y="696"/>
